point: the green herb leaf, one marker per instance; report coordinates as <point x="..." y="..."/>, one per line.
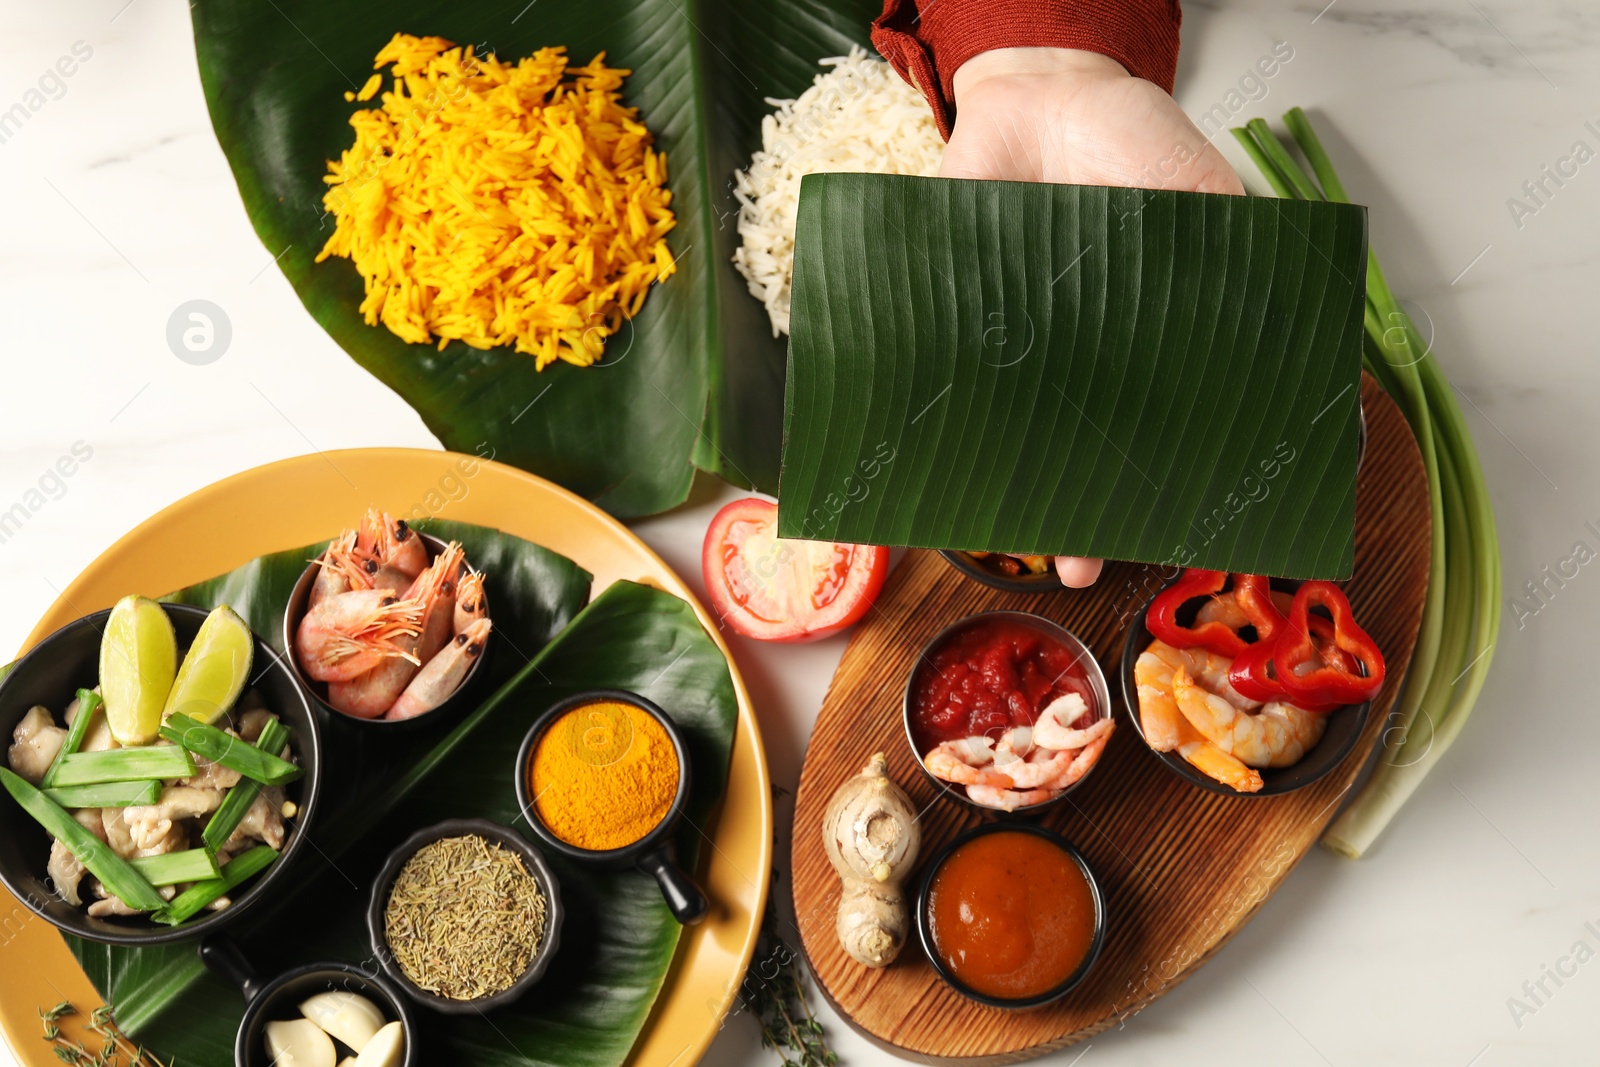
<point x="1055" y="369"/>
<point x="223" y="748"/>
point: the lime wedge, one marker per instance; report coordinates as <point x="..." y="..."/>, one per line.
<point x="138" y="659"/>
<point x="215" y="669"/>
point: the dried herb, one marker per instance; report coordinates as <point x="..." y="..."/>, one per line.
<point x="464" y="918"/>
<point x="774" y="992"/>
<point x="118" y="1051"/>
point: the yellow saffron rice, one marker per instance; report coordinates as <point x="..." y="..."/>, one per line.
<point x="500" y="203"/>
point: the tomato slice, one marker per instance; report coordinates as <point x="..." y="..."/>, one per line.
<point x="774" y="589"/>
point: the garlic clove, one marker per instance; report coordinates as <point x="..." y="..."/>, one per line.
<point x="346" y="1017"/>
<point x="299" y="1043"/>
<point x="386" y="1049"/>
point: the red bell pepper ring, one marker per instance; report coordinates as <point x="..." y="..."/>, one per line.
<point x="1335" y="683"/>
<point x="1162" y="619"/>
<point x="1251" y="674"/>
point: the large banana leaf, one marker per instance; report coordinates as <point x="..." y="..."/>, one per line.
<point x="697" y="376"/>
<point x="618" y="940"/>
<point x="1135" y="374"/>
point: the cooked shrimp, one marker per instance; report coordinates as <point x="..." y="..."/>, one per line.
<point x="1166" y="730"/>
<point x="1052" y="729"/>
<point x="1015" y="744"/>
<point x="373" y="692"/>
<point x="1211" y="761"/>
<point x="1207" y="668"/>
<point x="349" y="634"/>
<point x="945" y="763"/>
<point x="435" y="590"/>
<point x="391" y="542"/>
<point x="975" y="751"/>
<point x="1158" y="712"/>
<point x="472" y="603"/>
<point x="1277" y="736"/>
<point x="1007" y="799"/>
<point x="442" y="675"/>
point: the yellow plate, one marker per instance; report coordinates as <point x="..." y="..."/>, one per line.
<point x="310" y="498"/>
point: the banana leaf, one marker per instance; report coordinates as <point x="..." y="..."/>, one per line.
<point x="618" y="939"/>
<point x="696" y="378"/>
<point x="1134" y="374"/>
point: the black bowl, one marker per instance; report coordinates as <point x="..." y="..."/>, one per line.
<point x="653" y="853"/>
<point x="1338" y="738"/>
<point x="280" y="998"/>
<point x="1055" y="631"/>
<point x="458" y="701"/>
<point x="925" y="929"/>
<point x="973" y="568"/>
<point x="536" y="866"/>
<point x="50" y="675"/>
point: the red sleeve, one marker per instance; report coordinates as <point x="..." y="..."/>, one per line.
<point x="926" y="40"/>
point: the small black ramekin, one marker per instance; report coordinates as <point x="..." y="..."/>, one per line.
<point x="457" y="702"/>
<point x="925" y="923"/>
<point x="536" y="866"/>
<point x="280" y="998"/>
<point x="654" y="852"/>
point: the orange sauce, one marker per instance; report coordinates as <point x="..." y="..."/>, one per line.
<point x="1011" y="914"/>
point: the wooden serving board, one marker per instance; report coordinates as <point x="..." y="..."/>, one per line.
<point x="1183" y="869"/>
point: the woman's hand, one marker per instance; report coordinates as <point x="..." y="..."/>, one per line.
<point x="1075" y="117"/>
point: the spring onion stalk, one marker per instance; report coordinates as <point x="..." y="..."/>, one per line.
<point x="187" y="904"/>
<point x="105" y="794"/>
<point x="170" y="868"/>
<point x="231" y="812"/>
<point x="221" y="747"/>
<point x="125" y="765"/>
<point x="97" y="857"/>
<point x="88" y="704"/>
<point x="1461" y="615"/>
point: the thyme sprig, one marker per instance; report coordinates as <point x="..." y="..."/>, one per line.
<point x="119" y="1050"/>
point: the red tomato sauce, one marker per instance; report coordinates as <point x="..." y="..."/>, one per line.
<point x="990" y="676"/>
<point x="1011" y="915"/>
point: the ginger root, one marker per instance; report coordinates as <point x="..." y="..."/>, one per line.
<point x="871" y="836"/>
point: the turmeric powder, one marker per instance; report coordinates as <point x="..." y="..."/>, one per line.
<point x="603" y="775"/>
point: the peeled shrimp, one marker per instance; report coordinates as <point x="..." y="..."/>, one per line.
<point x="945" y="762"/>
<point x="1052" y="729"/>
<point x="1207" y="668"/>
<point x="1277" y="736"/>
<point x="1158" y="712"/>
<point x="1062" y="769"/>
<point x="442" y="675"/>
<point x="1007" y="799"/>
<point x="349" y="634"/>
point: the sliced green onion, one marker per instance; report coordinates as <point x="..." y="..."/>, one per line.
<point x="221" y="747"/>
<point x="125" y="765"/>
<point x="1461" y="615"/>
<point x="88" y="703"/>
<point x="189" y="903"/>
<point x="105" y="794"/>
<point x="170" y="868"/>
<point x="242" y="795"/>
<point x="113" y="871"/>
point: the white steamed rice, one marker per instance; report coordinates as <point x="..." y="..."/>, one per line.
<point x="859" y="116"/>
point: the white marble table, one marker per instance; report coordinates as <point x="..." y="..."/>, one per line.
<point x="120" y="207"/>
